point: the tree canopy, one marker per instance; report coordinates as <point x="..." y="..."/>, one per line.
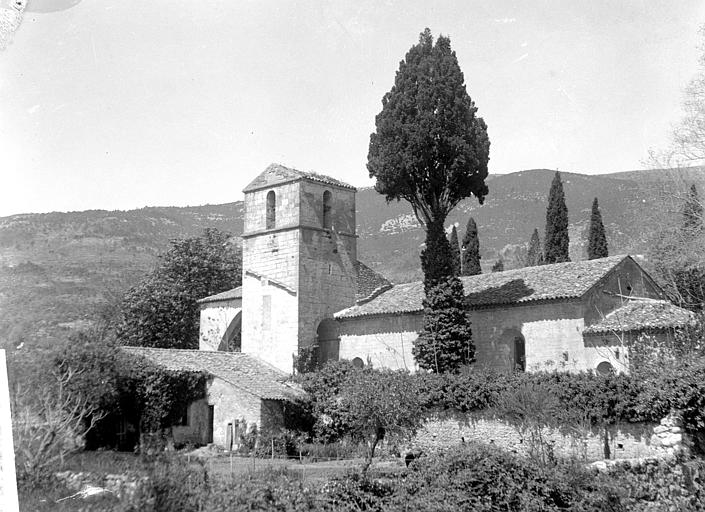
<point x="597" y="241"/>
<point x="161" y="311"/>
<point x="429" y="147"/>
<point x="556" y="242"/>
<point x="471" y="250"/>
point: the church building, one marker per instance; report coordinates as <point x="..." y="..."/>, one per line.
<point x="303" y="287"/>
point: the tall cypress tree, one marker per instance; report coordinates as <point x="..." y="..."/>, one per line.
<point x="471" y="250"/>
<point x="431" y="149"/>
<point x="534" y="256"/>
<point x="597" y="241"/>
<point x="556" y="240"/>
<point x="455" y="251"/>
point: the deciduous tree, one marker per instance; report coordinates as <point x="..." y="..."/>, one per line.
<point x="556" y="242"/>
<point x="677" y="254"/>
<point x="498" y="266"/>
<point x="597" y="241"/>
<point x="162" y="311"/>
<point x="380" y="403"/>
<point x="431" y="150"/>
<point x="471" y="250"/>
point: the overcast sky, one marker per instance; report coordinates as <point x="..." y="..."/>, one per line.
<point x="119" y="104"/>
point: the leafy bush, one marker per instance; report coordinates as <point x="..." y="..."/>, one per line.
<point x="469" y="477"/>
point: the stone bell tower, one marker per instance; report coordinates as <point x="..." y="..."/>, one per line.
<point x="299" y="256"/>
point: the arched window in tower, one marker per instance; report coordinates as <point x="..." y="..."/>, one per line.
<point x="327" y="221"/>
<point x="271" y="209"/>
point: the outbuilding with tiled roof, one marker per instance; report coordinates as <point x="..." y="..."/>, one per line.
<point x="242" y="391"/>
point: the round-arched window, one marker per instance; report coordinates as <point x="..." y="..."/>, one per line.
<point x="605" y="368"/>
<point x="327" y="220"/>
<point x="358" y="363"/>
<point x="271" y="219"/>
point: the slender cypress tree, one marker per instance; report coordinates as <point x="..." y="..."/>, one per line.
<point x="556" y="240"/>
<point x="597" y="241"/>
<point x="498" y="266"/>
<point x="455" y="251"/>
<point x="534" y="256"/>
<point x="471" y="250"/>
<point x="692" y="211"/>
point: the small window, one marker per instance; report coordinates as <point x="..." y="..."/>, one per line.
<point x="271" y="210"/>
<point x="327" y="221"/>
<point x="358" y="363"/>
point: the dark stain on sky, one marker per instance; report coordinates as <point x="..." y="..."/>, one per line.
<point x="43" y="5"/>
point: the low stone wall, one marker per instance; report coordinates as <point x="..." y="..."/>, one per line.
<point x="624" y="441"/>
<point x="131" y="489"/>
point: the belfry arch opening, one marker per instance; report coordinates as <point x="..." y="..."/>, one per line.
<point x="271" y="210"/>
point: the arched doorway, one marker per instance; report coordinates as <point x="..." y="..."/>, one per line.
<point x="328" y="340"/>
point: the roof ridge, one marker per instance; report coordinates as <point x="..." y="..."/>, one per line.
<point x="567" y="280"/>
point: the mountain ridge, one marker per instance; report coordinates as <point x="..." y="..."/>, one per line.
<point x="58" y="268"/>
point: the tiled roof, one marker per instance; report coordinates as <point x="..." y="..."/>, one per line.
<point x="241" y="370"/>
<point x="235" y="293"/>
<point x="639" y="315"/>
<point x="369" y="283"/>
<point x="546" y="282"/>
<point x="275" y="174"/>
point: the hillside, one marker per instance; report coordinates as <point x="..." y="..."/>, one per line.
<point x="56" y="269"/>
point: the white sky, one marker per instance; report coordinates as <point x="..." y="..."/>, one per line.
<point x="118" y="104"/>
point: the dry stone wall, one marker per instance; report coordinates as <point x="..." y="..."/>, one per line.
<point x="625" y="441"/>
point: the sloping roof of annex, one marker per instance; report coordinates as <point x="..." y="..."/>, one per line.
<point x="643" y="315"/>
<point x="241" y="370"/>
<point x="530" y="284"/>
<point x="369" y="285"/>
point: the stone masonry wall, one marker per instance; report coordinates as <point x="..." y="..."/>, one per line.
<point x="269" y="322"/>
<point x="552" y="333"/>
<point x="625" y="440"/>
<point x="287" y="207"/>
<point x="327" y="257"/>
<point x="328" y="279"/>
<point x="342" y="205"/>
<point x="385" y="341"/>
<point x="230" y="404"/>
<point x="196" y="431"/>
<point x="271" y="257"/>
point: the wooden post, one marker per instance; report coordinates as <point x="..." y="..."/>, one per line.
<point x="8" y="479"/>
